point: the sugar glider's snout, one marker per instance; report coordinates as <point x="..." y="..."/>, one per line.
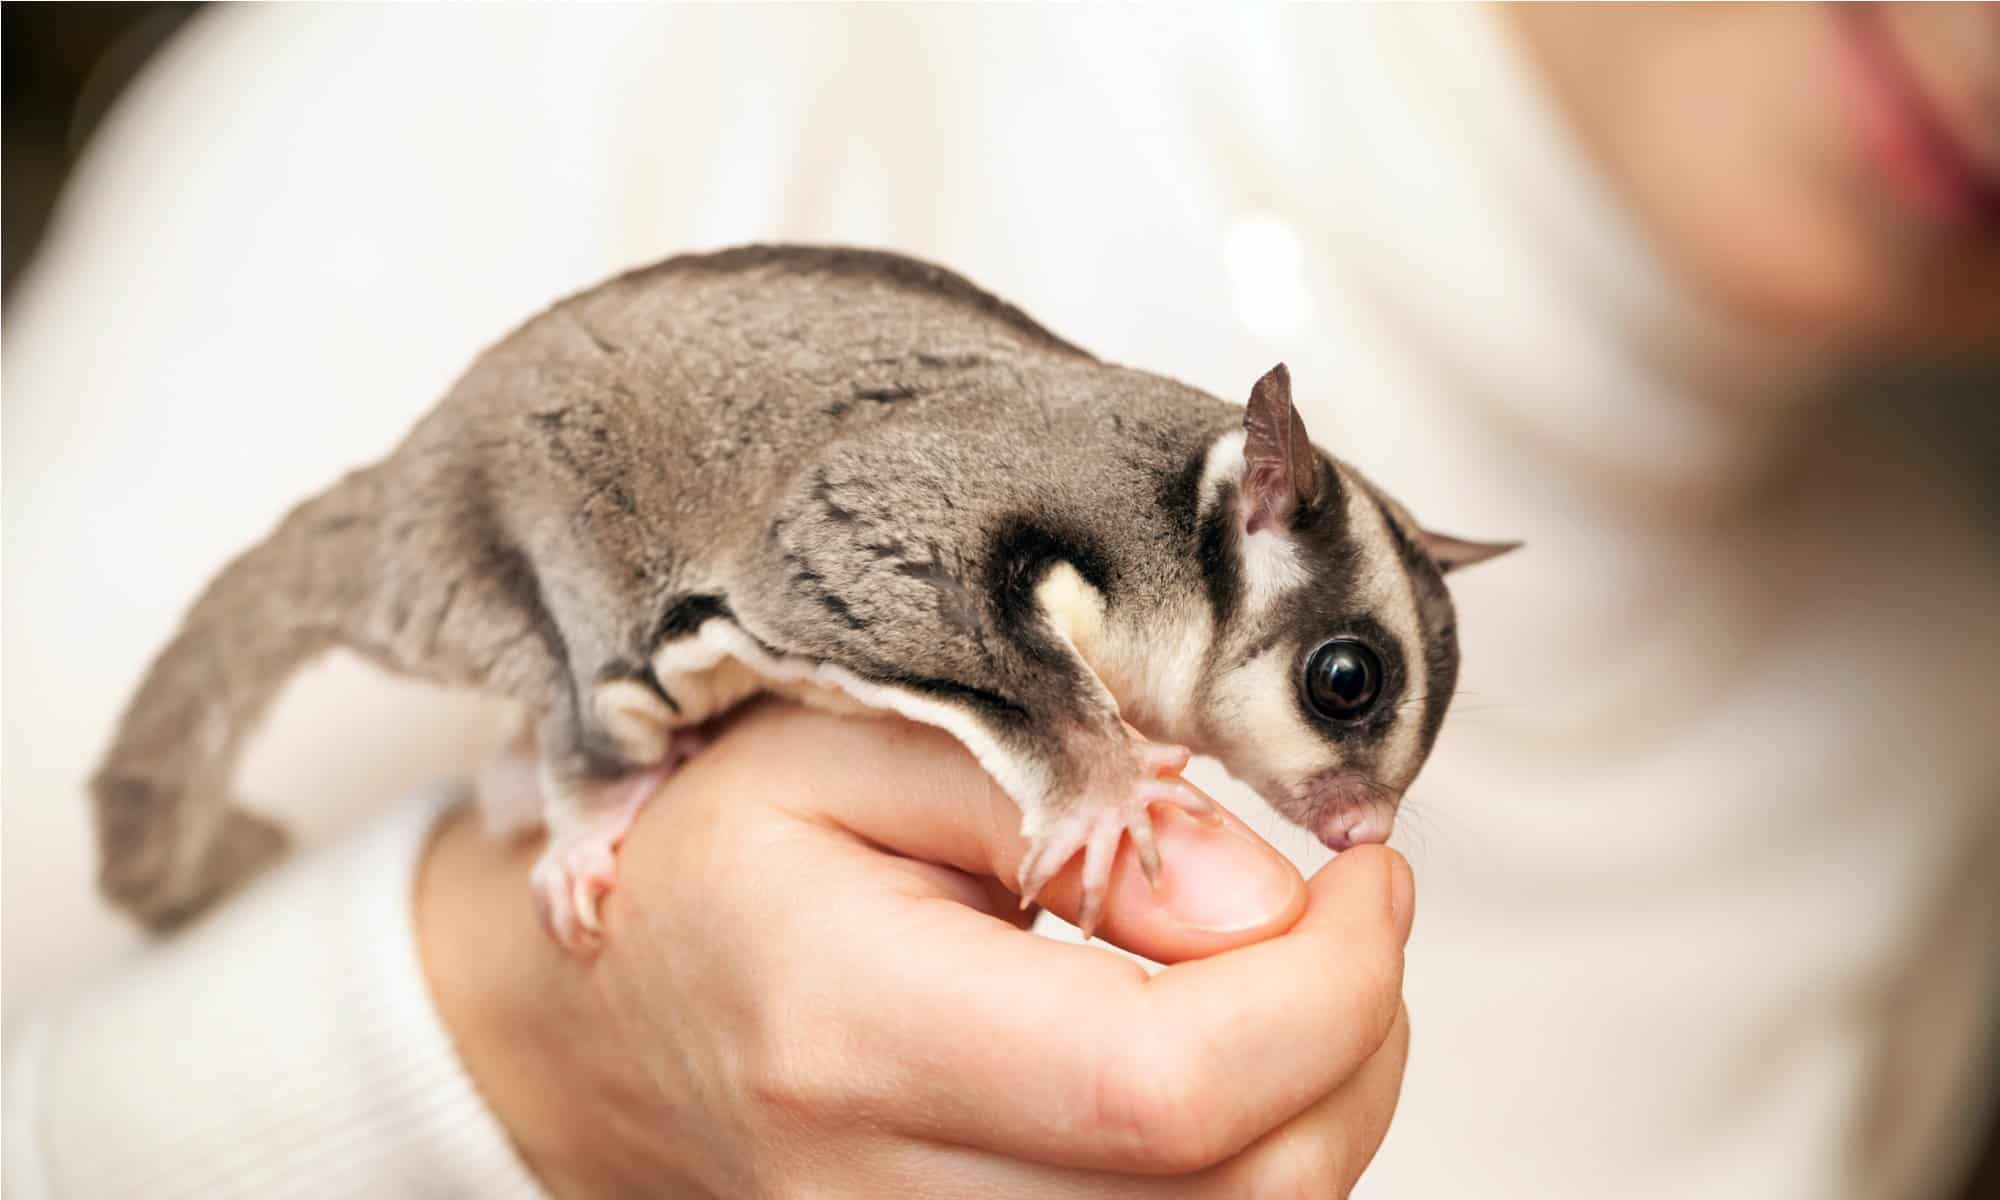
<point x="1347" y="809"/>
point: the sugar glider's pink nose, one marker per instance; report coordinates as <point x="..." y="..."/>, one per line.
<point x="1355" y="812"/>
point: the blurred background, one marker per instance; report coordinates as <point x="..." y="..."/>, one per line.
<point x="65" y="68"/>
<point x="65" y="64"/>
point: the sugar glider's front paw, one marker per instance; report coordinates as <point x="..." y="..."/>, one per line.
<point x="1116" y="803"/>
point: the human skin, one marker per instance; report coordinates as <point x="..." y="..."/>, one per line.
<point x="1749" y="144"/>
<point x="815" y="982"/>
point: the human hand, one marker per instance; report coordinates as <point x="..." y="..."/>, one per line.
<point x="814" y="982"/>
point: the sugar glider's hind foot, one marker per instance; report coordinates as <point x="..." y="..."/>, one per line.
<point x="587" y="821"/>
<point x="1094" y="821"/>
<point x="579" y="865"/>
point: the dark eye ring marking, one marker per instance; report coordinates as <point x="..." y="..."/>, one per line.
<point x="1342" y="679"/>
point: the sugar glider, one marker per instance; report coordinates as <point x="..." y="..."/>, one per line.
<point x="852" y="478"/>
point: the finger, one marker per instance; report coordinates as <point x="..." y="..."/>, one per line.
<point x="1345" y="955"/>
<point x="911" y="1168"/>
<point x="1321" y="1152"/>
<point x="1100" y="1066"/>
<point x="1324" y="1150"/>
<point x="1221" y="885"/>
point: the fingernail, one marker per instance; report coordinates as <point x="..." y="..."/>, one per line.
<point x="1219" y="880"/>
<point x="1402" y="896"/>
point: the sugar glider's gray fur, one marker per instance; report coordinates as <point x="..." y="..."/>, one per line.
<point x="842" y="474"/>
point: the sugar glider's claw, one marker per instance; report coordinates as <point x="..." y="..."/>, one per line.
<point x="1094" y="825"/>
<point x="1099" y="852"/>
<point x="1094" y="831"/>
<point x="1182" y="795"/>
<point x="1045" y="857"/>
<point x="1147" y="849"/>
<point x="569" y="880"/>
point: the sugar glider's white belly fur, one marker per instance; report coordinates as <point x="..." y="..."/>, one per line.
<point x="720" y="666"/>
<point x="706" y="678"/>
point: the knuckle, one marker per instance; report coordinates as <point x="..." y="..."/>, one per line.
<point x="806" y="1083"/>
<point x="1295" y="1165"/>
<point x="793" y="1085"/>
<point x="783" y="1083"/>
<point x="1157" y="1109"/>
<point x="795" y="1062"/>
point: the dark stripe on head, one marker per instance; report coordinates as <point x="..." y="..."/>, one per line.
<point x="1437" y="625"/>
<point x="1441" y="659"/>
<point x="1321" y="527"/>
<point x="1219" y="557"/>
<point x="1179" y="492"/>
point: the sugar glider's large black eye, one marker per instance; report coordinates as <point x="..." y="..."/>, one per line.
<point x="1343" y="679"/>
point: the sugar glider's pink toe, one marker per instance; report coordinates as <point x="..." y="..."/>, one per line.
<point x="1162" y="761"/>
<point x="586" y="822"/>
<point x="569" y="880"/>
<point x="579" y="866"/>
<point x="1182" y="795"/>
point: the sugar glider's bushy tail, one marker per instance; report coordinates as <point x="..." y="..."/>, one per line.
<point x="170" y="836"/>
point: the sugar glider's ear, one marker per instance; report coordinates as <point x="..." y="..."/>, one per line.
<point x="1280" y="468"/>
<point x="1450" y="553"/>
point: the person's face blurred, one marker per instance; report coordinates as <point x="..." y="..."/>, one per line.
<point x="1830" y="173"/>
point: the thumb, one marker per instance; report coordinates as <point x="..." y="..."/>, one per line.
<point x="1220" y="886"/>
<point x="916" y="792"/>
